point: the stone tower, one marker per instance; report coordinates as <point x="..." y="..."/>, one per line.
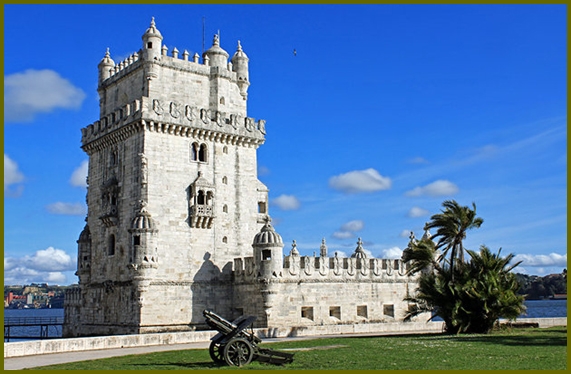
<point x="173" y="195"/>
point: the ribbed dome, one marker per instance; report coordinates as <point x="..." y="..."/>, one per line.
<point x="359" y="251"/>
<point x="85" y="235"/>
<point x="239" y="53"/>
<point x="107" y="60"/>
<point x="268" y="236"/>
<point x="143" y="221"/>
<point x="152" y="30"/>
<point x="216" y="49"/>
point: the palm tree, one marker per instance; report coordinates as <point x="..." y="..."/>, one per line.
<point x="451" y="226"/>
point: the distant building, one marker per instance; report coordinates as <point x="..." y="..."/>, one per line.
<point x="178" y="221"/>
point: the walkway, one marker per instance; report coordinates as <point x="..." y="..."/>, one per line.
<point x="27" y="362"/>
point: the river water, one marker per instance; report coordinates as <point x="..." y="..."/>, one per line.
<point x="535" y="309"/>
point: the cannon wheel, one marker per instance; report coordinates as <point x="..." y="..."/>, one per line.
<point x="238" y="352"/>
<point x="216" y="351"/>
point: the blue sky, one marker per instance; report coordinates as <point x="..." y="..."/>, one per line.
<point x="384" y="112"/>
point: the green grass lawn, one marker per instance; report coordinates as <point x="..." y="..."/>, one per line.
<point x="515" y="349"/>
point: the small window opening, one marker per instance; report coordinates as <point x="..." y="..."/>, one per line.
<point x="200" y="200"/>
<point x="225" y="240"/>
<point x="362" y="311"/>
<point x="307" y="312"/>
<point x="225" y="208"/>
<point x="225" y="149"/>
<point x="262" y="207"/>
<point x="225" y="180"/>
<point x="150" y="45"/>
<point x="222" y="101"/>
<point x="389" y="310"/>
<point x="266" y="254"/>
<point x="137" y="240"/>
<point x="111" y="245"/>
<point x="335" y="312"/>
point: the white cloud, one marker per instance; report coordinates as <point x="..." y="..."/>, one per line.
<point x="12" y="175"/>
<point x="286" y="202"/>
<point x="71" y="209"/>
<point x="392" y="253"/>
<point x="438" y="188"/>
<point x="415" y="212"/>
<point x="44" y="266"/>
<point x="343" y="234"/>
<point x="552" y="259"/>
<point x="348" y="229"/>
<point x="38" y="91"/>
<point x="79" y="175"/>
<point x="355" y="225"/>
<point x="340" y="254"/>
<point x="357" y="181"/>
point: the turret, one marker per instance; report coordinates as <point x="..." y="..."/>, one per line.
<point x="268" y="252"/>
<point x="105" y="67"/>
<point x="216" y="55"/>
<point x="84" y="256"/>
<point x="240" y="66"/>
<point x="152" y="39"/>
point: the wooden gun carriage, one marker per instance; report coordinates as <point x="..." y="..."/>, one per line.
<point x="236" y="346"/>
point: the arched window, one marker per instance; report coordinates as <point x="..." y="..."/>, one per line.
<point x="225" y="150"/>
<point x="225" y="208"/>
<point x="224" y="240"/>
<point x="111" y="245"/>
<point x="200" y="198"/>
<point x="222" y="101"/>
<point x="194" y="152"/>
<point x="225" y="180"/>
<point x="202" y="153"/>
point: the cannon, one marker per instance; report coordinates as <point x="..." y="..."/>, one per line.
<point x="236" y="346"/>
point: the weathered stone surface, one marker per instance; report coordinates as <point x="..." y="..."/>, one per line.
<point x="174" y="205"/>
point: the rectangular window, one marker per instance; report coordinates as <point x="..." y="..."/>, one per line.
<point x="335" y="312"/>
<point x="389" y="310"/>
<point x="136" y="240"/>
<point x="266" y="254"/>
<point x="307" y="312"/>
<point x="362" y="311"/>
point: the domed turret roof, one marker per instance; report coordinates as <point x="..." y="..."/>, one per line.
<point x="107" y="60"/>
<point x="85" y="235"/>
<point x="268" y="236"/>
<point x="359" y="251"/>
<point x="152" y="30"/>
<point x="143" y="220"/>
<point x="239" y="53"/>
<point x="216" y="49"/>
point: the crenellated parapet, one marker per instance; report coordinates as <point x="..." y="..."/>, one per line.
<point x="327" y="269"/>
<point x="172" y="118"/>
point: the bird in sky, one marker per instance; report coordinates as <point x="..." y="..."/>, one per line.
<point x="294" y="52"/>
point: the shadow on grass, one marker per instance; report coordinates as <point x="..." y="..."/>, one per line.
<point x="531" y="338"/>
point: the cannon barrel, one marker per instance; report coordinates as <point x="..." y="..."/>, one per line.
<point x="217" y="322"/>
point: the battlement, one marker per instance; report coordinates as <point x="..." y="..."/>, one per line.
<point x="326" y="269"/>
<point x="177" y="119"/>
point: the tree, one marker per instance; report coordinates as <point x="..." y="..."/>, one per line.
<point x="452" y="225"/>
<point x="470" y="296"/>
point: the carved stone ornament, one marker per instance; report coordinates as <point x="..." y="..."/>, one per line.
<point x="190" y="113"/>
<point x="205" y="116"/>
<point x="175" y="109"/>
<point x="249" y="123"/>
<point x="158" y="107"/>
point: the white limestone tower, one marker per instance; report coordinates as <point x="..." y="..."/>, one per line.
<point x="173" y="192"/>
